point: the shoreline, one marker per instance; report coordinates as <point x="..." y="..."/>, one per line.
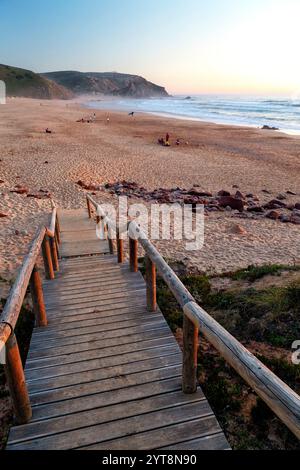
<point x="169" y="115"/>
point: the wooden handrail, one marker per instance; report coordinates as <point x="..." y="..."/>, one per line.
<point x="28" y="274"/>
<point x="284" y="402"/>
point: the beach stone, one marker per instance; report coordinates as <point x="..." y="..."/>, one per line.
<point x="223" y="193"/>
<point x="274" y="204"/>
<point x="20" y="190"/>
<point x="290" y="192"/>
<point x="232" y="202"/>
<point x="238" y="229"/>
<point x="281" y="197"/>
<point x="266" y="191"/>
<point x="285" y="218"/>
<point x="297" y="205"/>
<point x="295" y="219"/>
<point x="1" y="181"/>
<point x="239" y="195"/>
<point x="255" y="208"/>
<point x="274" y="215"/>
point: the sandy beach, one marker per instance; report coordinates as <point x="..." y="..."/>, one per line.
<point x="213" y="157"/>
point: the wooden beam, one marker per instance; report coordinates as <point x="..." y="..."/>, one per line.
<point x="274" y="392"/>
<point x="151" y="284"/>
<point x="16" y="381"/>
<point x="47" y="258"/>
<point x="16" y="296"/>
<point x="133" y="255"/>
<point x="89" y="207"/>
<point x="120" y="248"/>
<point x="190" y="352"/>
<point x="54" y="254"/>
<point x="38" y="298"/>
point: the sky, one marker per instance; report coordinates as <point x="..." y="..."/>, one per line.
<point x="188" y="46"/>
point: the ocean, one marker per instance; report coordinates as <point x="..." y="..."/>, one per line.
<point x="282" y="113"/>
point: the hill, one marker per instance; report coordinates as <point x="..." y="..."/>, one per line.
<point x="108" y="83"/>
<point x="25" y="83"/>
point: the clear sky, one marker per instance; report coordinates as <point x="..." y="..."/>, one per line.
<point x="189" y="46"/>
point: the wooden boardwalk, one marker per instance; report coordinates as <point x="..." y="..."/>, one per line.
<point x="106" y="373"/>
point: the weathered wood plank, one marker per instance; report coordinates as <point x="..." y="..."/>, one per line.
<point x="135" y="425"/>
<point x="169" y="399"/>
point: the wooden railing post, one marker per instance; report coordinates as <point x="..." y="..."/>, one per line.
<point x="89" y="207"/>
<point x="190" y="352"/>
<point x="151" y="284"/>
<point x="133" y="254"/>
<point x="120" y="248"/>
<point x="57" y="230"/>
<point x="16" y="381"/>
<point x="38" y="298"/>
<point x="47" y="258"/>
<point x="54" y="254"/>
<point x="110" y="241"/>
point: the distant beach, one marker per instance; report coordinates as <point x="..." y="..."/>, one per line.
<point x="264" y="164"/>
<point x="279" y="112"/>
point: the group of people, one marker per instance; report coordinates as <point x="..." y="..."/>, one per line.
<point x="166" y="142"/>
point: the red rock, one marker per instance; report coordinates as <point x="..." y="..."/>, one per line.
<point x="255" y="208"/>
<point x="295" y="219"/>
<point x="223" y="193"/>
<point x="274" y="204"/>
<point x="232" y="202"/>
<point x="239" y="195"/>
<point x="34" y="195"/>
<point x="274" y="215"/>
<point x="20" y="190"/>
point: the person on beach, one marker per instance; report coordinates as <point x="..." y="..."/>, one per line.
<point x="107" y="120"/>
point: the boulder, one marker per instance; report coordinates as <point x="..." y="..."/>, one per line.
<point x="274" y="204"/>
<point x="223" y="193"/>
<point x="274" y="215"/>
<point x="232" y="202"/>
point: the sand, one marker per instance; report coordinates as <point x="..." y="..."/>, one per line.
<point x="216" y="157"/>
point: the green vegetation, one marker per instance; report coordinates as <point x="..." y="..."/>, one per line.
<point x="270" y="317"/>
<point x="253" y="273"/>
<point x="20" y="82"/>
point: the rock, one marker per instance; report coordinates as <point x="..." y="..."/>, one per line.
<point x="235" y="186"/>
<point x="290" y="207"/>
<point x="232" y="202"/>
<point x="249" y="195"/>
<point x="34" y="195"/>
<point x="46" y="162"/>
<point x="297" y="205"/>
<point x="223" y="193"/>
<point x="255" y="208"/>
<point x="274" y="215"/>
<point x="274" y="204"/>
<point x="197" y="192"/>
<point x="20" y="189"/>
<point x="284" y="218"/>
<point x="238" y="229"/>
<point x="270" y="128"/>
<point x="3" y="214"/>
<point x="281" y="197"/>
<point x="295" y="219"/>
<point x="291" y="193"/>
<point x="1" y="181"/>
<point x="239" y="195"/>
<point x="265" y="191"/>
<point x="228" y="209"/>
